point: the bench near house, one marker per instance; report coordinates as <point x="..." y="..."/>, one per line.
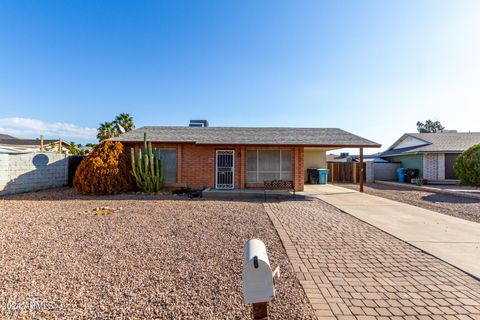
<point x="200" y="156"/>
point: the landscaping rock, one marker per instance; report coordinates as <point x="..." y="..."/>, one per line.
<point x="162" y="258"/>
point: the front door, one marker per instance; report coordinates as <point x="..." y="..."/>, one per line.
<point x="450" y="159"/>
<point x="224" y="169"/>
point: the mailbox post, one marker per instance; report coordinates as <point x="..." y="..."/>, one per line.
<point x="258" y="283"/>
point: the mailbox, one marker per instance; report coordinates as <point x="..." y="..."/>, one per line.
<point x="258" y="283"/>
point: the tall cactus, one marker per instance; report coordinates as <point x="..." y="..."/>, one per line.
<point x="147" y="167"/>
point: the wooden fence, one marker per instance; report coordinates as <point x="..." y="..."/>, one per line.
<point x="345" y="172"/>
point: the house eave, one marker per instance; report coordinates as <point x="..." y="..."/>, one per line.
<point x="333" y="146"/>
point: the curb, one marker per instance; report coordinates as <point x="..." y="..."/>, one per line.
<point x="429" y="189"/>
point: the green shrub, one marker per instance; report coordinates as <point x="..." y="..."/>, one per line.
<point x="467" y="166"/>
<point x="104" y="171"/>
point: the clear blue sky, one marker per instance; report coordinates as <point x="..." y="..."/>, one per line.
<point x="370" y="67"/>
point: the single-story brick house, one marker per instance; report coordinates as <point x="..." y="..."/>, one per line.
<point x="433" y="154"/>
<point x="240" y="157"/>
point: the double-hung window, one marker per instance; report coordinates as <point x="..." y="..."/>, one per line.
<point x="268" y="165"/>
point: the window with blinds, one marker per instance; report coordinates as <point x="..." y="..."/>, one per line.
<point x="268" y="165"/>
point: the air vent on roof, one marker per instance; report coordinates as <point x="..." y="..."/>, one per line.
<point x="198" y="123"/>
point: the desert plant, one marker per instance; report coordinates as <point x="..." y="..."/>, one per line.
<point x="105" y="170"/>
<point x="467" y="166"/>
<point x="147" y="167"/>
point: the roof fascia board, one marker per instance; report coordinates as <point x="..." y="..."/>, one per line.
<point x="335" y="146"/>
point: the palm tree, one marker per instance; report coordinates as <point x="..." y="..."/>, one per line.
<point x="75" y="148"/>
<point x="106" y="131"/>
<point x="125" y="121"/>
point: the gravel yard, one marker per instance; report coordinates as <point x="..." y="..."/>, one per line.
<point x="460" y="207"/>
<point x="158" y="257"/>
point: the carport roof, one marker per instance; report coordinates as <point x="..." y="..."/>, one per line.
<point x="313" y="137"/>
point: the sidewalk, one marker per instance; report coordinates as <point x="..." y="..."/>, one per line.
<point x="451" y="239"/>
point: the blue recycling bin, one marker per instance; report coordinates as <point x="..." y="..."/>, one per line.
<point x="401" y="175"/>
<point x="322" y="176"/>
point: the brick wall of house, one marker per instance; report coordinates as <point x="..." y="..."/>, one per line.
<point x="196" y="164"/>
<point x="299" y="172"/>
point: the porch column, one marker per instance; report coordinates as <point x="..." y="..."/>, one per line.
<point x="361" y="169"/>
<point x="243" y="167"/>
<point x="179" y="164"/>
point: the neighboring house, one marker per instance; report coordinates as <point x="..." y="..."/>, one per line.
<point x="433" y="154"/>
<point x="238" y="158"/>
<point x="9" y="144"/>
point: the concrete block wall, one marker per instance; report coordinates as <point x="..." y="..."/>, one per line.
<point x="4" y="171"/>
<point x="32" y="172"/>
<point x="369" y="171"/>
<point x="385" y="171"/>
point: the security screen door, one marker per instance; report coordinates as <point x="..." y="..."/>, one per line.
<point x="224" y="168"/>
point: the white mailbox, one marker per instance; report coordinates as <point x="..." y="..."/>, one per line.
<point x="258" y="284"/>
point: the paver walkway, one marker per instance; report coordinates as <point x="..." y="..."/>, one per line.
<point x="452" y="239"/>
<point x="352" y="270"/>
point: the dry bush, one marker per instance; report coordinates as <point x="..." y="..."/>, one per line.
<point x="106" y="170"/>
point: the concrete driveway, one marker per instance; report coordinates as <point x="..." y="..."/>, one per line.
<point x="451" y="239"/>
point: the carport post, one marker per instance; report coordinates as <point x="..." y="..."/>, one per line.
<point x="361" y="169"/>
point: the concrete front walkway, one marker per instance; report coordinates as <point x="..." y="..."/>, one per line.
<point x="451" y="239"/>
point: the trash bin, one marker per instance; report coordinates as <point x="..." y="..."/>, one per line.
<point x="401" y="175"/>
<point x="312" y="176"/>
<point x="411" y="174"/>
<point x="322" y="176"/>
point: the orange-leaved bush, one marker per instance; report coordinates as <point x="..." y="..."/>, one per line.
<point x="105" y="170"/>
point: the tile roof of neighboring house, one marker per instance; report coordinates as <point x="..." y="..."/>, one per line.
<point x="249" y="136"/>
<point x="444" y="142"/>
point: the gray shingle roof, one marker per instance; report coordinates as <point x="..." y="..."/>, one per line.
<point x="249" y="136"/>
<point x="453" y="142"/>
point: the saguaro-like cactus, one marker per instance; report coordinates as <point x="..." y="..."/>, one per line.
<point x="147" y="167"/>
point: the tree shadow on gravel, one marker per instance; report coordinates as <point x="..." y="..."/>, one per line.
<point x="442" y="198"/>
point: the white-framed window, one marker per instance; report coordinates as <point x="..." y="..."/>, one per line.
<point x="268" y="165"/>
